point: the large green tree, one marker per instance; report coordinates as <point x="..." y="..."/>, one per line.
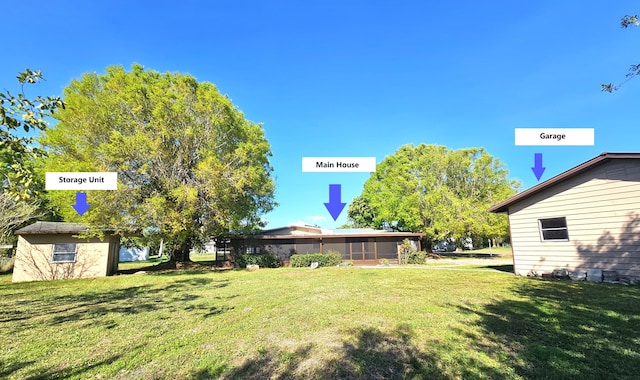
<point x="190" y="166"/>
<point x="441" y="192"/>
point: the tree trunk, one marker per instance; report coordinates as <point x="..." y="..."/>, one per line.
<point x="181" y="251"/>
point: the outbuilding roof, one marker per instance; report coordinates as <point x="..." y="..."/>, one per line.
<point x="598" y="160"/>
<point x="54" y="228"/>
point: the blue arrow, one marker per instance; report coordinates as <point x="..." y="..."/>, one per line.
<point x="537" y="168"/>
<point x="334" y="206"/>
<point x="81" y="205"/>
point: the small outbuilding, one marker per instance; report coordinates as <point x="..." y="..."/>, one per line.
<point x="53" y="250"/>
<point x="586" y="218"/>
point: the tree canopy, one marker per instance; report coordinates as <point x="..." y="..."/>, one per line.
<point x="20" y="188"/>
<point x="190" y="166"/>
<point x="360" y="213"/>
<point x="441" y="192"/>
<point x="14" y="214"/>
<point x="20" y="116"/>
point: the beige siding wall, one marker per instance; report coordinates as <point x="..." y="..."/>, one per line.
<point x="33" y="258"/>
<point x="602" y="209"/>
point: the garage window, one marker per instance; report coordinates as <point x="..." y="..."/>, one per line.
<point x="553" y="229"/>
<point x="64" y="253"/>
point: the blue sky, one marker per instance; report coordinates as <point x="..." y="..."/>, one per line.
<point x="361" y="78"/>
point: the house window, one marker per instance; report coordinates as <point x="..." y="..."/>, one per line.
<point x="64" y="253"/>
<point x="554" y="229"/>
<point x="252" y="250"/>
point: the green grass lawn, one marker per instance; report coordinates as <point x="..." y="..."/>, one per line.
<point x="328" y="323"/>
<point x="198" y="257"/>
<point x="494" y="250"/>
<point x="141" y="265"/>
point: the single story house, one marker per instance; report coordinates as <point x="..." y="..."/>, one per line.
<point x="585" y="218"/>
<point x="52" y="250"/>
<point x="360" y="245"/>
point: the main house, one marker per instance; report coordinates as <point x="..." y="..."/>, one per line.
<point x="53" y="250"/>
<point x="360" y="245"/>
<point x="587" y="217"/>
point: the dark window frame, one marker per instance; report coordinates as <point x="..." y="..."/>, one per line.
<point x="556" y="229"/>
<point x="62" y="253"/>
<point x="253" y="250"/>
<point x="223" y="249"/>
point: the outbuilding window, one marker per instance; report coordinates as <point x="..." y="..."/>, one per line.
<point x="64" y="253"/>
<point x="553" y="229"/>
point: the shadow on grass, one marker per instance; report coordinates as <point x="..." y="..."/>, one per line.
<point x="7" y="369"/>
<point x="152" y="267"/>
<point x="176" y="268"/>
<point x="501" y="268"/>
<point x="367" y="353"/>
<point x="40" y="373"/>
<point x="562" y="330"/>
<point x="169" y="266"/>
<point x="70" y="372"/>
<point x="207" y="373"/>
<point x="95" y="307"/>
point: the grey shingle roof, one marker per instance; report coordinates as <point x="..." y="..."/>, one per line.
<point x="53" y="228"/>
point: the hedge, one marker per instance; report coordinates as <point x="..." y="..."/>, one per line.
<point x="323" y="259"/>
<point x="266" y="260"/>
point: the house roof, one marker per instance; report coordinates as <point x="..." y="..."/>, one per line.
<point x="54" y="228"/>
<point x="598" y="160"/>
<point x="298" y="228"/>
<point x="297" y="231"/>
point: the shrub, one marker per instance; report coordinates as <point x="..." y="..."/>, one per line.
<point x="417" y="257"/>
<point x="323" y="259"/>
<point x="266" y="260"/>
<point x="405" y="250"/>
